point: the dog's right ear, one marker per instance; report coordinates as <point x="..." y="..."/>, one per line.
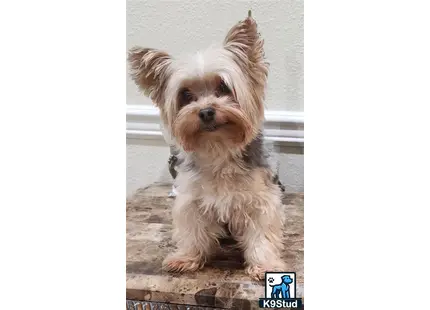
<point x="150" y="70"/>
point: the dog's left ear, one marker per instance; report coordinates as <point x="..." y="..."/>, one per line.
<point x="246" y="46"/>
<point x="244" y="41"/>
<point x="149" y="68"/>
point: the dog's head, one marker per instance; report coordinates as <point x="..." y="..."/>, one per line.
<point x="213" y="99"/>
<point x="286" y="279"/>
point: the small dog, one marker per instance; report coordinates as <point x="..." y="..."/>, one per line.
<point x="212" y="105"/>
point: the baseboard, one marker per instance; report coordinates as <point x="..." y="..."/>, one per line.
<point x="280" y="127"/>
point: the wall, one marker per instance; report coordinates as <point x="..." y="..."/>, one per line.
<point x="186" y="26"/>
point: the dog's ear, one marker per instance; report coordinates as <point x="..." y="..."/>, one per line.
<point x="149" y="69"/>
<point x="246" y="45"/>
<point x="244" y="41"/>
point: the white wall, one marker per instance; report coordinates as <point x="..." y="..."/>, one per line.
<point x="188" y="25"/>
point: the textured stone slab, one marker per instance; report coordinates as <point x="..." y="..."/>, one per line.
<point x="221" y="284"/>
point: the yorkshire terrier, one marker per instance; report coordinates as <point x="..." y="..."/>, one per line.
<point x="212" y="105"/>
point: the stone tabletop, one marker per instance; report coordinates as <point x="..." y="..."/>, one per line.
<point x="223" y="283"/>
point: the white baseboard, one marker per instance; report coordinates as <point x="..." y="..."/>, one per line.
<point x="280" y="127"/>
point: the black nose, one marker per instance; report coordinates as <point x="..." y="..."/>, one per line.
<point x="207" y="115"/>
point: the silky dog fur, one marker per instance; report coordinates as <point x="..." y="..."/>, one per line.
<point x="225" y="184"/>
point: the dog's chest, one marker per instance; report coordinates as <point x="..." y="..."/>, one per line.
<point x="223" y="189"/>
<point x="224" y="182"/>
<point x="224" y="197"/>
<point x="228" y="193"/>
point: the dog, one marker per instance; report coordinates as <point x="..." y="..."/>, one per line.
<point x="283" y="288"/>
<point x="212" y="105"/>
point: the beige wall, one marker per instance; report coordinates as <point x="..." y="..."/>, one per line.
<point x="186" y="26"/>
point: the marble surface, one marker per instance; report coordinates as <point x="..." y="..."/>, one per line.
<point x="222" y="283"/>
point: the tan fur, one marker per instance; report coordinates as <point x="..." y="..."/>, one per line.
<point x="248" y="203"/>
<point x="220" y="188"/>
<point x="149" y="69"/>
<point x="245" y="43"/>
<point x="236" y="129"/>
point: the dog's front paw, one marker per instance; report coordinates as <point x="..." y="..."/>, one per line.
<point x="182" y="264"/>
<point x="258" y="272"/>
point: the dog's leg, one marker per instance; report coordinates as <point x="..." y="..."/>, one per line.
<point x="283" y="292"/>
<point x="262" y="249"/>
<point x="275" y="292"/>
<point x="261" y="234"/>
<point x="196" y="236"/>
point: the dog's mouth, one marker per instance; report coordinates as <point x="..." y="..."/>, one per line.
<point x="213" y="126"/>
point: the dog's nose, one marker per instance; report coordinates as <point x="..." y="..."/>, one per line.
<point x="207" y="114"/>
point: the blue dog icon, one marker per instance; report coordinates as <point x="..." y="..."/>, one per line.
<point x="282" y="288"/>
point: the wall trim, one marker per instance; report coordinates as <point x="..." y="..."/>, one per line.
<point x="280" y="127"/>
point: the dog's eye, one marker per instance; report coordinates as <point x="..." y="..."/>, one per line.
<point x="185" y="97"/>
<point x="222" y="90"/>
